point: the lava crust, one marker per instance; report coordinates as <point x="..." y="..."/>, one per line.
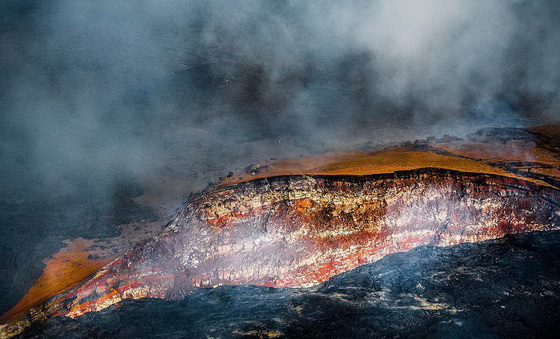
<point x="299" y="231"/>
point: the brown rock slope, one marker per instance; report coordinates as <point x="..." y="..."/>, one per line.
<point x="512" y="152"/>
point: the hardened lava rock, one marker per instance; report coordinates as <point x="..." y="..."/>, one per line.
<point x="299" y="231"/>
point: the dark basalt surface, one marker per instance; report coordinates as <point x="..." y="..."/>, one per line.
<point x="507" y="287"/>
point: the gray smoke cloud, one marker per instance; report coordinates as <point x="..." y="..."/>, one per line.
<point x="92" y="92"/>
<point x="88" y="85"/>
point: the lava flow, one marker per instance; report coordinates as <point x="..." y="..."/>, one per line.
<point x="299" y="231"/>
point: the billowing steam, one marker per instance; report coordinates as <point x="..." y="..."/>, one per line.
<point x="93" y="85"/>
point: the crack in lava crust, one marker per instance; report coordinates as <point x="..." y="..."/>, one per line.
<point x="299" y="231"/>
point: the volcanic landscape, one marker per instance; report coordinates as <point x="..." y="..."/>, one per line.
<point x="444" y="236"/>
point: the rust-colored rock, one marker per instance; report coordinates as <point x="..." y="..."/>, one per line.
<point x="298" y="231"/>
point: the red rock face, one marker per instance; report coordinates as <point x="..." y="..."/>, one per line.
<point x="300" y="231"/>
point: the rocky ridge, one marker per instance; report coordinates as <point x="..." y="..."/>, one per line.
<point x="299" y="231"/>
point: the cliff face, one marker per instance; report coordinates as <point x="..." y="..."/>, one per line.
<point x="299" y="231"/>
<point x="503" y="288"/>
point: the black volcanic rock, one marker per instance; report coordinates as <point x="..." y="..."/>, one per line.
<point x="499" y="288"/>
<point x="491" y="135"/>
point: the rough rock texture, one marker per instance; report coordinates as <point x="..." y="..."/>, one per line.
<point x="504" y="288"/>
<point x="300" y="231"/>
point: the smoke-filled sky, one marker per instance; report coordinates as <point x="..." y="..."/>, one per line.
<point x="97" y="85"/>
